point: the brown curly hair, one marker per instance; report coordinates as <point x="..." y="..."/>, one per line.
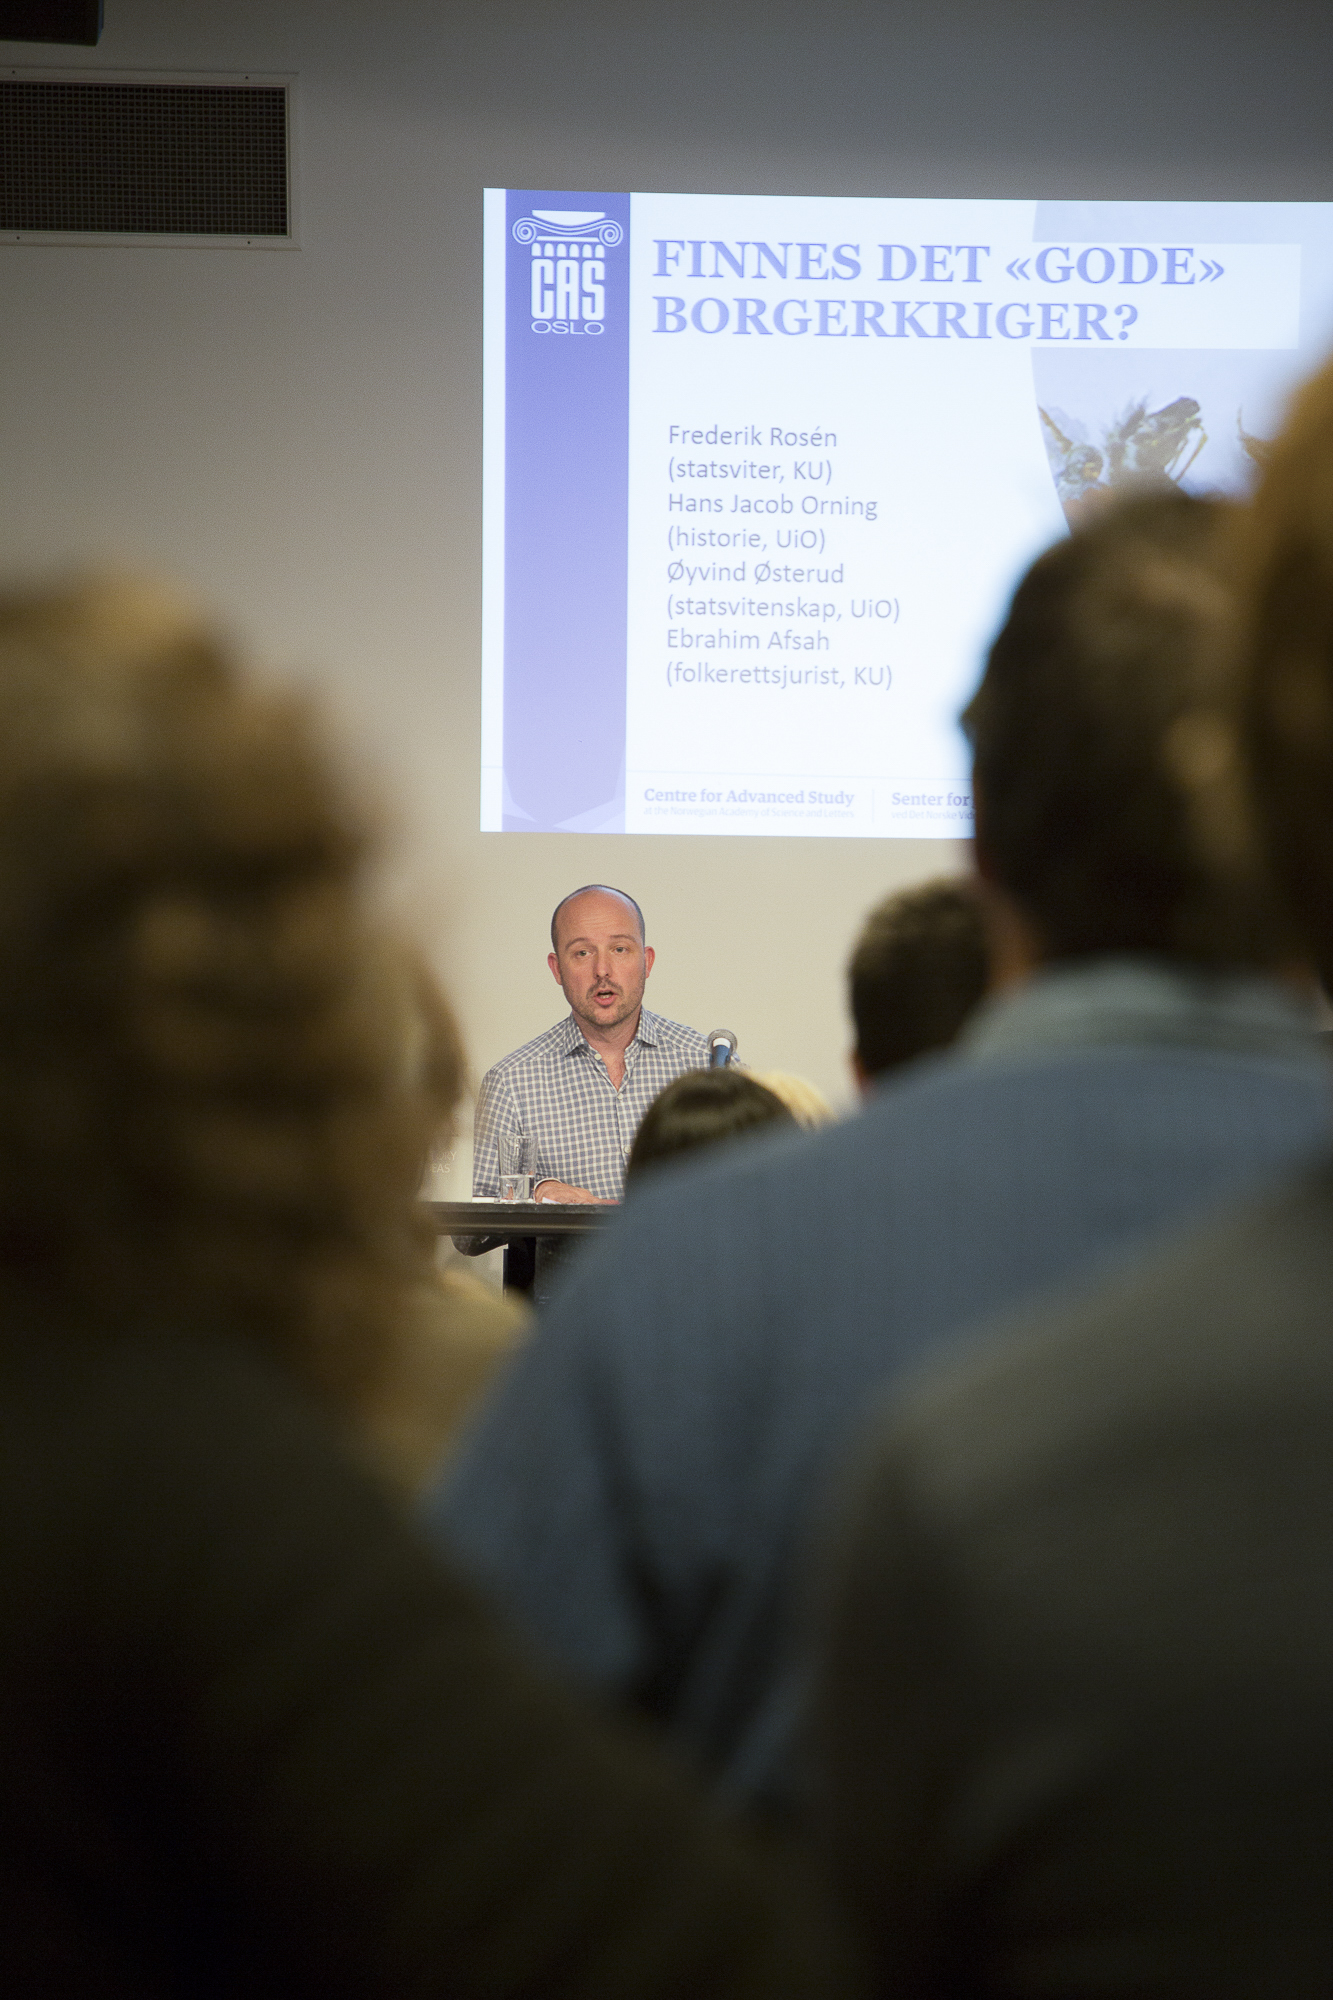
<point x="205" y="1118"/>
<point x="1287" y="683"/>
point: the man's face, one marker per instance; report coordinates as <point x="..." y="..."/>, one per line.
<point x="601" y="962"/>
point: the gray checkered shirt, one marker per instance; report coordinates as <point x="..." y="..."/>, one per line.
<point x="557" y="1089"/>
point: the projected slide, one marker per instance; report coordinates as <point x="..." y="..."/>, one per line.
<point x="761" y="472"/>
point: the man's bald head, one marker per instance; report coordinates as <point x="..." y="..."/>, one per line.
<point x="594" y="889"/>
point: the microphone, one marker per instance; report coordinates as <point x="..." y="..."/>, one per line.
<point x="722" y="1046"/>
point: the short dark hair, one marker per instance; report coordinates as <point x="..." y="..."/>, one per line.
<point x="917" y="971"/>
<point x="702" y="1108"/>
<point x="602" y="889"/>
<point x="1287" y="674"/>
<point x="1115" y="640"/>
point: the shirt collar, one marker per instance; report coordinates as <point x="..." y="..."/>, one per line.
<point x="648" y="1028"/>
<point x="1087" y="1003"/>
<point x="573" y="1041"/>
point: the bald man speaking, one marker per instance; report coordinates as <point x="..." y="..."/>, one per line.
<point x="580" y="1089"/>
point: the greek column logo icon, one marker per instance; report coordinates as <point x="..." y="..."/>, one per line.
<point x="569" y="247"/>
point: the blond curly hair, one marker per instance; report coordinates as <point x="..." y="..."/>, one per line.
<point x="206" y="1120"/>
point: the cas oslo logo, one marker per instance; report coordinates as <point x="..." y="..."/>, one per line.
<point x="569" y="247"/>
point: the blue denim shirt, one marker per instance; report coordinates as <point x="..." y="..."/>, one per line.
<point x="642" y="1487"/>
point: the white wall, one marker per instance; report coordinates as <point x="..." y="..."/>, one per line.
<point x="298" y="434"/>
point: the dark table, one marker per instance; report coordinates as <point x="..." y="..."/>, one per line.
<point x="479" y="1226"/>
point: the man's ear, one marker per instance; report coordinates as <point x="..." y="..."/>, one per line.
<point x="864" y="1080"/>
<point x="554" y="964"/>
<point x="648" y="956"/>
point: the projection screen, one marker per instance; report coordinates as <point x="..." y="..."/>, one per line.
<point x="761" y="472"/>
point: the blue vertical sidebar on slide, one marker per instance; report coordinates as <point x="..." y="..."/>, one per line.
<point x="566" y="510"/>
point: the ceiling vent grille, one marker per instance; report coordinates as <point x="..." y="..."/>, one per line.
<point x="144" y="158"/>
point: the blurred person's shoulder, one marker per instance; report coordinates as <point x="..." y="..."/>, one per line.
<point x="800" y="1161"/>
<point x="455" y="1335"/>
<point x="1207" y="1327"/>
<point x="147" y="1439"/>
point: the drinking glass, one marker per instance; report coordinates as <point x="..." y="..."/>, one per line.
<point x="518" y="1164"/>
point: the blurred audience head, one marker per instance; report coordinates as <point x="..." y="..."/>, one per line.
<point x="917" y="972"/>
<point x="805" y="1100"/>
<point x="1115" y="640"/>
<point x="204" y="1118"/>
<point x="431" y="1065"/>
<point x="705" y="1107"/>
<point x="1287" y="666"/>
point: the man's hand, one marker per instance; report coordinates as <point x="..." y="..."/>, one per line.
<point x="562" y="1191"/>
